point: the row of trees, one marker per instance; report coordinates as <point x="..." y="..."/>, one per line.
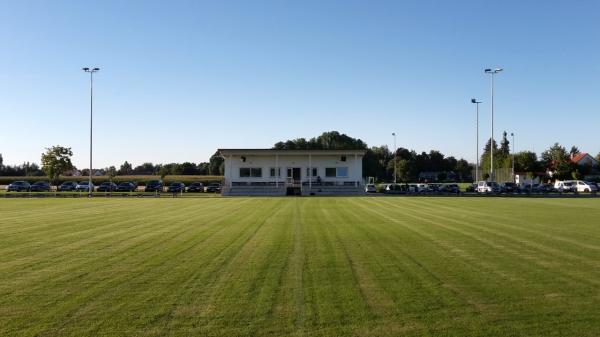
<point x="212" y="167"/>
<point x="378" y="162"/>
<point x="25" y="169"/>
<point x="554" y="163"/>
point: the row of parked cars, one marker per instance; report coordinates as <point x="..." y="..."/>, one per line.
<point x="126" y="186"/>
<point x="510" y="187"/>
<point x="414" y="188"/>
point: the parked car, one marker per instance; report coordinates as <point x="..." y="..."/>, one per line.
<point x="67" y="186"/>
<point x="472" y="187"/>
<point x="509" y="187"/>
<point x="488" y="187"/>
<point x="544" y="188"/>
<point x="126" y="186"/>
<point x="40" y="186"/>
<point x="107" y="187"/>
<point x="196" y="187"/>
<point x="370" y="188"/>
<point x="433" y="188"/>
<point x="18" y="186"/>
<point x="396" y="189"/>
<point x="584" y="186"/>
<point x="449" y="188"/>
<point x="213" y="187"/>
<point x="564" y="186"/>
<point x="176" y="187"/>
<point x="154" y="186"/>
<point x="84" y="186"/>
<point x="420" y="188"/>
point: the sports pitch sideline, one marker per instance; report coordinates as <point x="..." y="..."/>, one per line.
<point x="334" y="266"/>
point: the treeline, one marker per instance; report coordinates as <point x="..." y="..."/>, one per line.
<point x="554" y="163"/>
<point x="213" y="167"/>
<point x="25" y="169"/>
<point x="378" y="161"/>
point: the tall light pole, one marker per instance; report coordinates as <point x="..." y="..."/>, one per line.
<point x="492" y="72"/>
<point x="91" y="71"/>
<point x="394" y="134"/>
<point x="512" y="134"/>
<point x="476" y="102"/>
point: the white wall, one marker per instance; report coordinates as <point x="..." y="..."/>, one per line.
<point x="266" y="162"/>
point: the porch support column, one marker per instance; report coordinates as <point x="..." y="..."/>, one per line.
<point x="309" y="171"/>
<point x="356" y="168"/>
<point x="276" y="170"/>
<point x="230" y="173"/>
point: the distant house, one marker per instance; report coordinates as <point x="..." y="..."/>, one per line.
<point x="433" y="176"/>
<point x="584" y="159"/>
<point x="281" y="172"/>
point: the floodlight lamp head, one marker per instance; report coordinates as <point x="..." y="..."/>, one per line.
<point x="488" y="70"/>
<point x="85" y="69"/>
<point x="96" y="69"/>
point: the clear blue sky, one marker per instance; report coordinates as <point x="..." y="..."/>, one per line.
<point x="181" y="79"/>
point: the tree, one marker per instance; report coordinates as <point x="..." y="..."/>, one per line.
<point x="574" y="151"/>
<point x="111" y="172"/>
<point x="125" y="169"/>
<point x="504" y="146"/>
<point x="216" y="165"/>
<point x="526" y="161"/>
<point x="464" y="170"/>
<point x="558" y="161"/>
<point x="55" y="161"/>
<point x="1" y="162"/>
<point x="203" y="168"/>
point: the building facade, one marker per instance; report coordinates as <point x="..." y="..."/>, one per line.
<point x="280" y="172"/>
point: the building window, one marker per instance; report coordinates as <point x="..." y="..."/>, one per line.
<point x="247" y="172"/>
<point x="256" y="172"/>
<point x="314" y="172"/>
<point x="272" y="172"/>
<point x="336" y="172"/>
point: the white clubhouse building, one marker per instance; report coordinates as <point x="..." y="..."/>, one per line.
<point x="281" y="172"/>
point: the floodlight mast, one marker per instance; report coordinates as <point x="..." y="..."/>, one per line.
<point x="492" y="73"/>
<point x="91" y="71"/>
<point x="476" y="102"/>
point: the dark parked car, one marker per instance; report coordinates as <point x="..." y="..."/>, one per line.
<point x="67" y="186"/>
<point x="18" y="186"/>
<point x="396" y="189"/>
<point x="449" y="188"/>
<point x="196" y="187"/>
<point x="213" y="188"/>
<point x="126" y="186"/>
<point x="40" y="186"/>
<point x="471" y="188"/>
<point x="176" y="187"/>
<point x="107" y="187"/>
<point x="83" y="186"/>
<point x="509" y="187"/>
<point x="154" y="186"/>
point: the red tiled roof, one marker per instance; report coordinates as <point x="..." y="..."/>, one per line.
<point x="576" y="158"/>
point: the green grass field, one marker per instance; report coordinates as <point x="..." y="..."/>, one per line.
<point x="300" y="267"/>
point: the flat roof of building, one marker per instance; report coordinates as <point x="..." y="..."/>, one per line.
<point x="288" y="152"/>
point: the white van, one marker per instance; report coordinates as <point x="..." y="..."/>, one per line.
<point x="584" y="186"/>
<point x="488" y="187"/>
